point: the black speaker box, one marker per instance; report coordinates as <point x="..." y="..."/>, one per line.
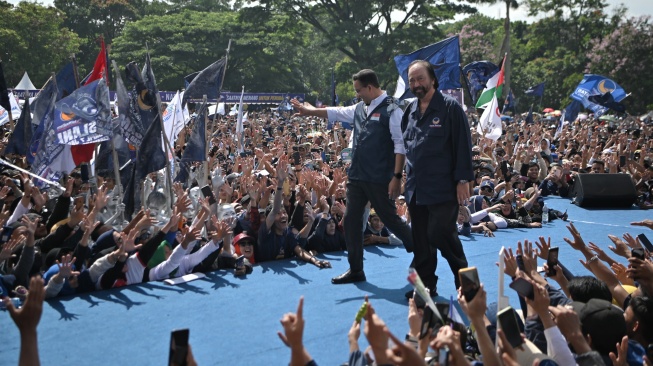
<point x="604" y="190"/>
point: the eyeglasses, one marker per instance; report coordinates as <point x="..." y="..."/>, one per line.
<point x="246" y="243"/>
<point x="486" y="189"/>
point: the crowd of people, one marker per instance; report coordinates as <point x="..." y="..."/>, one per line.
<point x="295" y="189"/>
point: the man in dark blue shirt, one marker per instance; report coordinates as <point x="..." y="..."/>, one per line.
<point x="438" y="171"/>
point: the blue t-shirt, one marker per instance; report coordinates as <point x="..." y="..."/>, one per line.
<point x="271" y="246"/>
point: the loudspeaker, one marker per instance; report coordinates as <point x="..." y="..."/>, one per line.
<point x="604" y="190"/>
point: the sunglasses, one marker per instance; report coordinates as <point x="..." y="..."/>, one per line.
<point x="245" y="243"/>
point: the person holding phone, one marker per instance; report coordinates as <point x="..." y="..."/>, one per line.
<point x="438" y="171"/>
<point x="377" y="162"/>
<point x="555" y="183"/>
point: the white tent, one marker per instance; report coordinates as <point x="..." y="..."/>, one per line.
<point x="25" y="83"/>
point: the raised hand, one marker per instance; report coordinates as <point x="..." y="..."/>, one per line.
<point x="9" y="247"/>
<point x="646" y="223"/>
<point x="543" y="247"/>
<point x="101" y="199"/>
<point x="293" y="326"/>
<point x="620" y="247"/>
<point x="66" y="267"/>
<point x="29" y="315"/>
<point x="30" y="224"/>
<point x="632" y="242"/>
<point x="578" y="242"/>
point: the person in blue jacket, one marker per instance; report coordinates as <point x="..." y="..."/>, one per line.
<point x="438" y="171"/>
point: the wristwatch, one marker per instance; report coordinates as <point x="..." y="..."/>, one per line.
<point x="398" y="175"/>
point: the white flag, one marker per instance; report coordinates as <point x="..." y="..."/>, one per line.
<point x="490" y="123"/>
<point x="401" y="88"/>
<point x="15" y="110"/>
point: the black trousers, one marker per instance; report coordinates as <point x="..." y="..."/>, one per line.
<point x="358" y="194"/>
<point x="434" y="228"/>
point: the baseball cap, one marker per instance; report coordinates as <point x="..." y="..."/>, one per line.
<point x="487" y="183"/>
<point x="604" y="322"/>
<point x="242" y="236"/>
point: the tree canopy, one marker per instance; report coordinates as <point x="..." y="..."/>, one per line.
<point x="294" y="46"/>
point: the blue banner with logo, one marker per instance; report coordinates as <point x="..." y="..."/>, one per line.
<point x="84" y="116"/>
<point x="597" y="85"/>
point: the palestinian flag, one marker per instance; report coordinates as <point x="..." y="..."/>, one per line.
<point x="492" y="87"/>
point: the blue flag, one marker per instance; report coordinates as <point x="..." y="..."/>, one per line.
<point x="42" y="107"/>
<point x="50" y="159"/>
<point x="607" y="100"/>
<point x="509" y="103"/>
<point x="571" y="111"/>
<point x="444" y="55"/>
<point x="84" y="116"/>
<point x="597" y="84"/>
<point x="195" y="147"/>
<point x="189" y="78"/>
<point x="536" y="90"/>
<point x="477" y="74"/>
<point x="66" y="83"/>
<point x="529" y="117"/>
<point x="42" y="100"/>
<point x="104" y="160"/>
<point x="22" y="136"/>
<point x="207" y="82"/>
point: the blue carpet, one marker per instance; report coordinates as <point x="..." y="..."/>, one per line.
<point x="234" y="321"/>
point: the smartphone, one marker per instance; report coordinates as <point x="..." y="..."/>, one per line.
<point x="520" y="262"/>
<point x="507" y="319"/>
<point x="286" y="188"/>
<point x="638" y="253"/>
<point x="85" y="172"/>
<point x="469" y="282"/>
<point x="443" y="356"/>
<point x="178" y="347"/>
<point x="504" y="169"/>
<point x="432" y="321"/>
<point x="295" y="158"/>
<point x="207" y="192"/>
<point x="552" y="261"/>
<point x="240" y="266"/>
<point x="622" y="161"/>
<point x="523" y="288"/>
<point x="327" y="158"/>
<point x="645" y="242"/>
<point x="6" y="234"/>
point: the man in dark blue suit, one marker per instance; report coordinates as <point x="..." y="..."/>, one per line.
<point x="438" y="168"/>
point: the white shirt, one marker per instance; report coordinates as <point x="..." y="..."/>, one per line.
<point x="346" y="114"/>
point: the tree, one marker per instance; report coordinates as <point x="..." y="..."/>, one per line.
<point x="364" y="30"/>
<point x="626" y="56"/>
<point x="91" y="19"/>
<point x="505" y="44"/>
<point x="270" y="52"/>
<point x="33" y="39"/>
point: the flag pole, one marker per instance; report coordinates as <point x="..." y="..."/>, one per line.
<point x="205" y="164"/>
<point x="169" y="200"/>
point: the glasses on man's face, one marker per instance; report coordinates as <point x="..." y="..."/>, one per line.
<point x="488" y="189"/>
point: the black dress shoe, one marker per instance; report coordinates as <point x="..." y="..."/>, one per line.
<point x="434" y="293"/>
<point x="349" y="277"/>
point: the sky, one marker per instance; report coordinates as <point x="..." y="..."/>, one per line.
<point x="636" y="8"/>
